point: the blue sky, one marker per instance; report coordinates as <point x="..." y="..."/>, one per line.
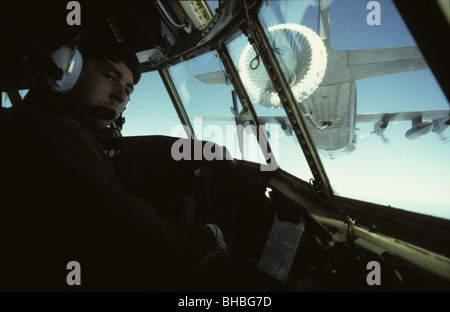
<point x="411" y="175"/>
<point x="406" y="174"/>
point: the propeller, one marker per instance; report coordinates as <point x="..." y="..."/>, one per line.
<point x="384" y="138"/>
<point x="439" y="126"/>
<point x="443" y="138"/>
<point x="379" y="129"/>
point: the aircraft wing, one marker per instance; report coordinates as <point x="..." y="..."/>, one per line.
<point x="213" y="78"/>
<point x="283" y="121"/>
<point x="216" y="118"/>
<point x="403" y="116"/>
<point x="361" y="63"/>
<point x="360" y="118"/>
<point x="381" y="62"/>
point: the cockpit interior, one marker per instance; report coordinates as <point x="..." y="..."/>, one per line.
<point x="313" y="133"/>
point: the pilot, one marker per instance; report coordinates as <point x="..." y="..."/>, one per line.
<point x="65" y="221"/>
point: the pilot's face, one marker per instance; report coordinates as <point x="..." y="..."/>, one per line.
<point x="104" y="84"/>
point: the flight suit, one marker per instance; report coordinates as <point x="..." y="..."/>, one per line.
<point x="62" y="202"/>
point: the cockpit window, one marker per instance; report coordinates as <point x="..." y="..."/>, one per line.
<point x="373" y="109"/>
<point x="376" y="114"/>
<point x="213" y="5"/>
<point x="6" y="101"/>
<point x="283" y="143"/>
<point x="209" y="106"/>
<point x="150" y="111"/>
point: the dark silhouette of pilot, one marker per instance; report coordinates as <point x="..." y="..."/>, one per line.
<point x="61" y="200"/>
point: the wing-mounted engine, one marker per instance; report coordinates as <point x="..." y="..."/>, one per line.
<point x="420" y="128"/>
<point x="436" y="121"/>
<point x="381" y="126"/>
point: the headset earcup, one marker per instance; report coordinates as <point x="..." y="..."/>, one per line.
<point x="69" y="62"/>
